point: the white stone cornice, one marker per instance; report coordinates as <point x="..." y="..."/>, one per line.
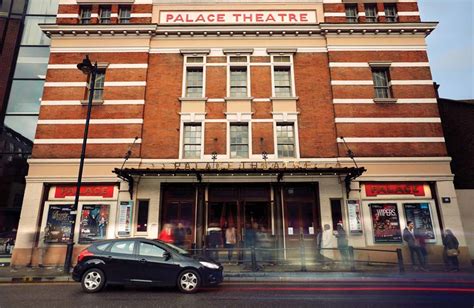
<point x="365" y="28"/>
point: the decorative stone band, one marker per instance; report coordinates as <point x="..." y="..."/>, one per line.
<point x="390" y="139"/>
<point x="89" y="141"/>
<point x="236" y="30"/>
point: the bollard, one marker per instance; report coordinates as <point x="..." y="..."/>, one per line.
<point x="351" y="257"/>
<point x="254" y="259"/>
<point x="302" y="254"/>
<point x="401" y="267"/>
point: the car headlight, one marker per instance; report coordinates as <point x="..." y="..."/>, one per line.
<point x="209" y="264"/>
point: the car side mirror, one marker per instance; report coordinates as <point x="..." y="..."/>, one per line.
<point x="167" y="255"/>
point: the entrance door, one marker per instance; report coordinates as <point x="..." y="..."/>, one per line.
<point x="243" y="206"/>
<point x="301" y="218"/>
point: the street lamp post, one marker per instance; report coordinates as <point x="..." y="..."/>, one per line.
<point x="91" y="71"/>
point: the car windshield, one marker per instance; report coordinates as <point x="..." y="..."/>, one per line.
<point x="177" y="249"/>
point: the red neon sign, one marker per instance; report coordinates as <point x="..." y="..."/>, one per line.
<point x="104" y="191"/>
<point x="375" y="189"/>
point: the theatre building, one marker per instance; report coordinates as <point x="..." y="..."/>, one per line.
<point x="286" y="114"/>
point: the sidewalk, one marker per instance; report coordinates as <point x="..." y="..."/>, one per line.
<point x="235" y="274"/>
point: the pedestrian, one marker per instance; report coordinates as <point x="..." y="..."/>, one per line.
<point x="214" y="240"/>
<point x="179" y="234"/>
<point x="264" y="242"/>
<point x="230" y="240"/>
<point x="342" y="243"/>
<point x="451" y="251"/>
<point x="166" y="234"/>
<point x="327" y="245"/>
<point x="421" y="237"/>
<point x="414" y="246"/>
<point x="42" y="245"/>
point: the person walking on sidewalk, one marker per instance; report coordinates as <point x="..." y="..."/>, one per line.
<point x="414" y="246"/>
<point x="327" y="243"/>
<point x="451" y="251"/>
<point x="342" y="243"/>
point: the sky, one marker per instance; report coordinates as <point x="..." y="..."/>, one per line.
<point x="450" y="46"/>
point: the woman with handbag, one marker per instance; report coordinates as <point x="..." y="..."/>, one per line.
<point x="451" y="251"/>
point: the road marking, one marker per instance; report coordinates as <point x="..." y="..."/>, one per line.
<point x="428" y="289"/>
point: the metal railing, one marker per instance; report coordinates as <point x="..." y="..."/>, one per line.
<point x="256" y="258"/>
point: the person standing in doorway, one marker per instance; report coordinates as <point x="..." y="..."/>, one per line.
<point x="451" y="251"/>
<point x="414" y="246"/>
<point x="230" y="240"/>
<point x="327" y="245"/>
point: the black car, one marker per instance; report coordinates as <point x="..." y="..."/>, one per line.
<point x="143" y="261"/>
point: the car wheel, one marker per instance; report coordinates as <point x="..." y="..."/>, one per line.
<point x="189" y="281"/>
<point x="93" y="280"/>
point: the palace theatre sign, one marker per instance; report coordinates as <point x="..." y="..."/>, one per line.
<point x="279" y="169"/>
<point x="237" y="17"/>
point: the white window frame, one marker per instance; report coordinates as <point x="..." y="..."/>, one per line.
<point x="245" y="65"/>
<point x="386" y="69"/>
<point x="352" y="5"/>
<point x="296" y="141"/>
<point x="122" y="19"/>
<point x="376" y="12"/>
<point x="187" y="65"/>
<point x="103" y="8"/>
<point x="289" y="65"/>
<point x="249" y="134"/>
<point x="394" y="5"/>
<point x="181" y="139"/>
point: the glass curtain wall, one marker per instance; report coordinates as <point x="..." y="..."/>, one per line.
<point x="30" y="72"/>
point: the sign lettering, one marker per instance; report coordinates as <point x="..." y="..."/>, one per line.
<point x="237" y="17"/>
<point x="375" y="189"/>
<point x="104" y="191"/>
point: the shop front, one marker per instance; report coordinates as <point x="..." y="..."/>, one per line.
<point x="283" y="204"/>
<point x="94" y="219"/>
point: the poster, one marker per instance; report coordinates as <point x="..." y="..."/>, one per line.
<point x="353" y="211"/>
<point x="94" y="221"/>
<point x="420" y="214"/>
<point x="125" y="218"/>
<point x="59" y="223"/>
<point x="385" y="223"/>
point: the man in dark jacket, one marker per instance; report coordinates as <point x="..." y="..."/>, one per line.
<point x="414" y="246"/>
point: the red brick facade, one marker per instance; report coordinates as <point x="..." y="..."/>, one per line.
<point x="321" y="100"/>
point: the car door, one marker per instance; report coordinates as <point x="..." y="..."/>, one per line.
<point x="157" y="264"/>
<point x="121" y="261"/>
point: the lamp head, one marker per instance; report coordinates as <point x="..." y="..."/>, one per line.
<point x="86" y="66"/>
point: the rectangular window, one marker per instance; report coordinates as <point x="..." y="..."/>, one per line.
<point x="124" y="14"/>
<point x="192" y="140"/>
<point x="282" y="78"/>
<point x="194" y="81"/>
<point x="371" y="12"/>
<point x="238" y="82"/>
<point x="239" y="141"/>
<point x="285" y="140"/>
<point x="98" y="85"/>
<point x="351" y="13"/>
<point x="85" y="15"/>
<point x="390" y="12"/>
<point x="381" y="82"/>
<point x="142" y="215"/>
<point x="336" y="212"/>
<point x="104" y="14"/>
